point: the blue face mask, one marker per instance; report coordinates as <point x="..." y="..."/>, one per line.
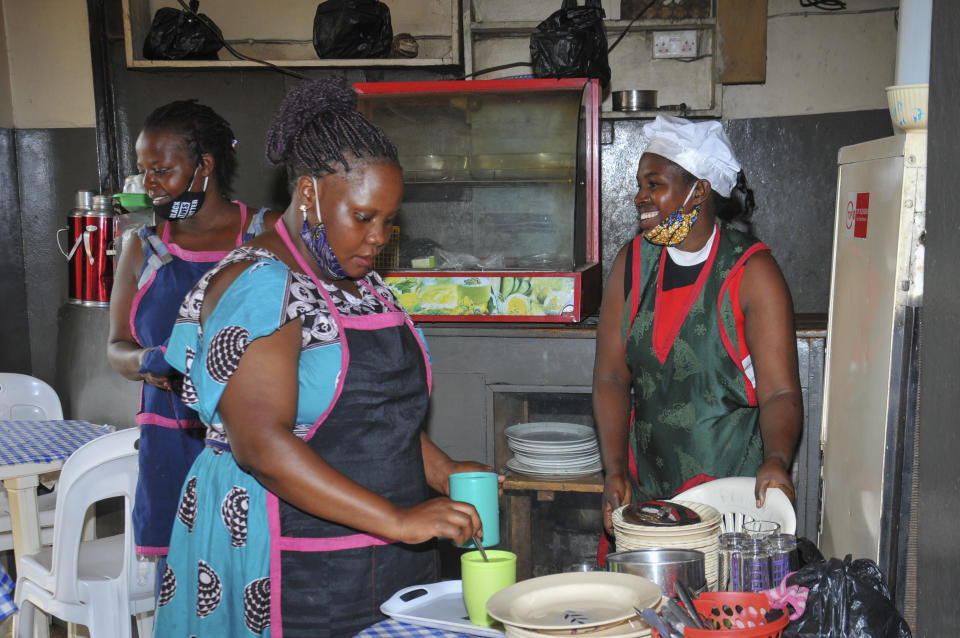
<point x="320" y="249"/>
<point x="186" y="204"/>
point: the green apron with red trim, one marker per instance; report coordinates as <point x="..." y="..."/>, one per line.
<point x="694" y="407"/>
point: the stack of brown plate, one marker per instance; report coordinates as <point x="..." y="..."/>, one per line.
<point x="576" y="603"/>
<point x="703" y="536"/>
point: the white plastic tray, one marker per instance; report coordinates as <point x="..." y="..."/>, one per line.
<point x="437" y="605"/>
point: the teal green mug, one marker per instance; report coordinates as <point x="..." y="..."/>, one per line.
<point x="482" y="490"/>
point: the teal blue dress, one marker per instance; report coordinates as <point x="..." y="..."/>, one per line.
<point x="224" y="570"/>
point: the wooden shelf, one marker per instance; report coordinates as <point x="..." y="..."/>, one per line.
<point x="614" y="27"/>
<point x="436" y="49"/>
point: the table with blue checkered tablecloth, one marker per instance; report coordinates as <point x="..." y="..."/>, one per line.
<point x="392" y="628"/>
<point x="27" y="450"/>
<point x="6" y="594"/>
<point x="28" y="442"/>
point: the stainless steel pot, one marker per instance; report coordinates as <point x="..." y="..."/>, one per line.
<point x="663" y="566"/>
<point x="634" y="100"/>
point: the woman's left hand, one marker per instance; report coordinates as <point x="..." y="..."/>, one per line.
<point x="773" y="474"/>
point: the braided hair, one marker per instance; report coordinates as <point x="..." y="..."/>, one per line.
<point x="203" y="131"/>
<point x="738" y="207"/>
<point x="318" y="130"/>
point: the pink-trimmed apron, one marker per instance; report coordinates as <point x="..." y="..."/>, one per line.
<point x="171" y="434"/>
<point x="328" y="579"/>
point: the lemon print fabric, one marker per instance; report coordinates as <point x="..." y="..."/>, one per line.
<point x="504" y="295"/>
<point x="476" y="296"/>
<point x="407" y="291"/>
<point x="517" y="305"/>
<point x="439" y="298"/>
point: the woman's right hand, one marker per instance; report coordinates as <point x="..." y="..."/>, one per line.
<point x="438" y="517"/>
<point x="154" y="369"/>
<point x="616" y="493"/>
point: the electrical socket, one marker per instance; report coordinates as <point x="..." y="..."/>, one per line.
<point x="675" y="44"/>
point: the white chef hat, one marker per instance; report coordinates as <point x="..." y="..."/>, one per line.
<point x="702" y="148"/>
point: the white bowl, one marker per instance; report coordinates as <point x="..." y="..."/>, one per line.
<point x="908" y="105"/>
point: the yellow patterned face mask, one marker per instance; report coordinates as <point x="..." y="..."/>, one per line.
<point x="675" y="228"/>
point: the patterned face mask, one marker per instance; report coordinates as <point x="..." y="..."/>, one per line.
<point x="320" y="249"/>
<point x="674" y="229"/>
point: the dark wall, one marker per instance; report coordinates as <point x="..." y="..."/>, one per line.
<point x="14" y="346"/>
<point x="40" y="170"/>
<point x="791" y="165"/>
<point x="938" y="539"/>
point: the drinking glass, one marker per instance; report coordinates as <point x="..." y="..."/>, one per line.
<point x="754" y="566"/>
<point x="731" y="545"/>
<point x="760" y="529"/>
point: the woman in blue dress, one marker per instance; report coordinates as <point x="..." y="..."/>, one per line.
<point x="186" y="155"/>
<point x="311" y="503"/>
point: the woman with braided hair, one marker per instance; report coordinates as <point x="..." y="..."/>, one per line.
<point x="310" y="505"/>
<point x="185" y="153"/>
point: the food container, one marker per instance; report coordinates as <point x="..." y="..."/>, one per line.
<point x="634" y="100"/>
<point x="908" y="106"/>
<point x="663" y="566"/>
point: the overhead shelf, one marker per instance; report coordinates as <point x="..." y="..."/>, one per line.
<point x="438" y="39"/>
<point x="614" y="27"/>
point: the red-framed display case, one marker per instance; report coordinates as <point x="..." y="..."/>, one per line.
<point x="500" y="218"/>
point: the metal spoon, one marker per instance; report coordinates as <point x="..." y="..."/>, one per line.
<point x="476" y="541"/>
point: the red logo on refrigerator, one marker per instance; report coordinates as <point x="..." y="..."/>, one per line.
<point x="860" y="215"/>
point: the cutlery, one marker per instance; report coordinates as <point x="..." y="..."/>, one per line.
<point x="483" y="553"/>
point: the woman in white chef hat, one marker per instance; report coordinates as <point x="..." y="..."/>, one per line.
<point x="697" y="321"/>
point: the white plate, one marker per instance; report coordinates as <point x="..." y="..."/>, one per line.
<point x="522" y="468"/>
<point x="574" y="599"/>
<point x="437" y="605"/>
<point x="550" y="433"/>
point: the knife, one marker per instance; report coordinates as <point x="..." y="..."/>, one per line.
<point x="684" y="595"/>
<point x="654" y="620"/>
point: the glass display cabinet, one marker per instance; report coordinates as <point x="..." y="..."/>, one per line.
<point x="500" y="215"/>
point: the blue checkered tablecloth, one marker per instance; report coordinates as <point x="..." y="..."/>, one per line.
<point x="391" y="628"/>
<point x="7" y="606"/>
<point x="44" y="441"/>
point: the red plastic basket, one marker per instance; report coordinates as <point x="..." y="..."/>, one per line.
<point x="737" y="614"/>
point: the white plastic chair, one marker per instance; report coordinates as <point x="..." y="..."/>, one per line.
<point x="26" y="398"/>
<point x="97" y="583"/>
<point x="733" y="498"/>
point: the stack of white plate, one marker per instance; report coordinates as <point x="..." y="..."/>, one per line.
<point x="704" y="536"/>
<point x="575" y="604"/>
<point x="553" y="449"/>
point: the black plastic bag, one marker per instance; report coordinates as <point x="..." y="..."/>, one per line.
<point x="571" y="43"/>
<point x="847" y="598"/>
<point x="345" y="29"/>
<point x="177" y="35"/>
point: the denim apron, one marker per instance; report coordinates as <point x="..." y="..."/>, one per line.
<point x="328" y="579"/>
<point x="171" y="434"/>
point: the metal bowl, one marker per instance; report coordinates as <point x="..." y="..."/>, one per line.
<point x="634" y="100"/>
<point x="663" y="566"/>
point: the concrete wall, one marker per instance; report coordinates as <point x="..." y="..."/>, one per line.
<point x="6" y="103"/>
<point x="48" y="153"/>
<point x="48" y="51"/>
<point x="821" y="61"/>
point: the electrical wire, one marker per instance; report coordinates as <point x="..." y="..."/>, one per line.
<point x="214" y="31"/>
<point x="630" y="24"/>
<point x="824" y="5"/>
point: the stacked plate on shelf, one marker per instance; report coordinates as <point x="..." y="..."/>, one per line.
<point x="553" y="449"/>
<point x="703" y="536"/>
<point x="575" y="604"/>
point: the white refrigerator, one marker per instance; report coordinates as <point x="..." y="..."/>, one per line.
<point x="872" y="364"/>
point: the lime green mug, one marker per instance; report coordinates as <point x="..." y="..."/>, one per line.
<point x="483" y="578"/>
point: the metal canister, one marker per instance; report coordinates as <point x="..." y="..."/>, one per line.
<point x="90" y="226"/>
